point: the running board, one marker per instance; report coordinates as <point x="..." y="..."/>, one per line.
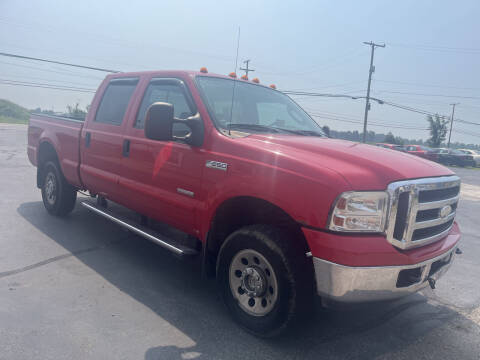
<point x="143" y="231"/>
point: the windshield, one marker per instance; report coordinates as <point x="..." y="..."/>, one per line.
<point x="255" y="108"/>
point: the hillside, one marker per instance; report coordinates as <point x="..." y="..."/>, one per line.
<point x="12" y="113"/>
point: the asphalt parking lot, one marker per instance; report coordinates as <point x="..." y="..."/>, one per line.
<point x="82" y="288"/>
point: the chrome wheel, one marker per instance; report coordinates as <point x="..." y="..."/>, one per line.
<point x="253" y="282"/>
<point x="51" y="188"/>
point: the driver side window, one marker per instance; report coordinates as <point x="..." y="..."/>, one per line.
<point x="168" y="93"/>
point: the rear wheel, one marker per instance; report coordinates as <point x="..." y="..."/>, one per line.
<point x="58" y="195"/>
<point x="265" y="281"/>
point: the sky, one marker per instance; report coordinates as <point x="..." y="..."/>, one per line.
<point x="430" y="61"/>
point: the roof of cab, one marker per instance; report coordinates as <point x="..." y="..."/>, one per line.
<point x="165" y="73"/>
<point x="177" y="73"/>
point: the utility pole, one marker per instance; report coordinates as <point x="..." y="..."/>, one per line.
<point x="451" y="123"/>
<point x="370" y="72"/>
<point x="246" y="69"/>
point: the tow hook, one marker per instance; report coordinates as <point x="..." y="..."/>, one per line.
<point x="431" y="282"/>
<point x="458" y="251"/>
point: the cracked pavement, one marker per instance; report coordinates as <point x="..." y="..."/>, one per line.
<point x="81" y="287"/>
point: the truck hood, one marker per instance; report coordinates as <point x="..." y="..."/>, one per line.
<point x="364" y="167"/>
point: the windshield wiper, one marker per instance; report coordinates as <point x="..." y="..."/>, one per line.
<point x="301" y="132"/>
<point x="265" y="128"/>
<point x="253" y="127"/>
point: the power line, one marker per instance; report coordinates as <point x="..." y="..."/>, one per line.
<point x="425" y="85"/>
<point x="448" y="49"/>
<point x="57" y="62"/>
<point x="46" y="84"/>
<point x="423" y="94"/>
<point x="342" y="117"/>
<point x="3" y="82"/>
<point x="464" y="132"/>
<point x="372" y="123"/>
<point x="44" y="79"/>
<point x="69" y="73"/>
<point x="467" y="122"/>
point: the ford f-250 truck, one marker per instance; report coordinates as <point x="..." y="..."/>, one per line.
<point x="236" y="173"/>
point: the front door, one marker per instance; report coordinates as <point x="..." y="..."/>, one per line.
<point x="163" y="178"/>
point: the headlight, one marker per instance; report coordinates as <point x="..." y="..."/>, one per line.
<point x="359" y="212"/>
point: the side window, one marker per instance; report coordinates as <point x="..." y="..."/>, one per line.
<point x="164" y="92"/>
<point x="411" y="148"/>
<point x="115" y="101"/>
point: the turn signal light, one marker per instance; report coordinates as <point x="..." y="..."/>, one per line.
<point x="244" y="77"/>
<point x="233" y="75"/>
<point x="273" y="87"/>
<point x="256" y="81"/>
<point x="203" y="70"/>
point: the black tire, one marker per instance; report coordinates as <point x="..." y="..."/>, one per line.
<point x="58" y="195"/>
<point x="292" y="270"/>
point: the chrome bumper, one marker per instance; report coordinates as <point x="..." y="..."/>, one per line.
<point x="362" y="284"/>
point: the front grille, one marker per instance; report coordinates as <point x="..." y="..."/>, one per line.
<point x="422" y="210"/>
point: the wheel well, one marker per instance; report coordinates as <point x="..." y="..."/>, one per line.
<point x="242" y="211"/>
<point x="46" y="152"/>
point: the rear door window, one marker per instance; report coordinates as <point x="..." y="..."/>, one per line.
<point x="115" y="101"/>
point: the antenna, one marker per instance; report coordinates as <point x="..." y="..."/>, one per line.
<point x="234" y="81"/>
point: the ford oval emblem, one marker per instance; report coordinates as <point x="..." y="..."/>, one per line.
<point x="445" y="211"/>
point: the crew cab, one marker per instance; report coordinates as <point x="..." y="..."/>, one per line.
<point x="237" y="174"/>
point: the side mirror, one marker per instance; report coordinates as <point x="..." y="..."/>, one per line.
<point x="159" y="121"/>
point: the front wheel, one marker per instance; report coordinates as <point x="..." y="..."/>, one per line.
<point x="57" y="194"/>
<point x="265" y="279"/>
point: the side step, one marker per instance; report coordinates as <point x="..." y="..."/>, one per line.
<point x="143" y="231"/>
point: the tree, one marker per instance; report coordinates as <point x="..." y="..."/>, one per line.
<point x="76" y="112"/>
<point x="438" y="130"/>
<point x="389" y="138"/>
<point x="326" y="130"/>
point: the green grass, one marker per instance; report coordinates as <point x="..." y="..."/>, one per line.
<point x="465" y="167"/>
<point x="13" y="113"/>
<point x="11" y="120"/>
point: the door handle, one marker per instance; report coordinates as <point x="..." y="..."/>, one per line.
<point x="88" y="137"/>
<point x="126" y="148"/>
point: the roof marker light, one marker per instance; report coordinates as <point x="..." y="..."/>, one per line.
<point x="233" y="75"/>
<point x="244" y="77"/>
<point x="256" y="81"/>
<point x="203" y="70"/>
<point x="273" y="87"/>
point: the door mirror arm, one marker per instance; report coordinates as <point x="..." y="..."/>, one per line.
<point x="159" y="121"/>
<point x="195" y="137"/>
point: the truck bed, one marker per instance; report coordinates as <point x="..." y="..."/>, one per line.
<point x="63" y="134"/>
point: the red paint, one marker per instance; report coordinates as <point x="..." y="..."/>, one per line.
<point x="301" y="175"/>
<point x="420" y="151"/>
<point x="162" y="157"/>
<point x="369" y="250"/>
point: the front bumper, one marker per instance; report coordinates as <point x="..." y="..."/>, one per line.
<point x="350" y="284"/>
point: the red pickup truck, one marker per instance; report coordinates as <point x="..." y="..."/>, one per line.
<point x="236" y="173"/>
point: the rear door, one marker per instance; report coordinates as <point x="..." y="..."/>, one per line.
<point x="162" y="179"/>
<point x="103" y="139"/>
